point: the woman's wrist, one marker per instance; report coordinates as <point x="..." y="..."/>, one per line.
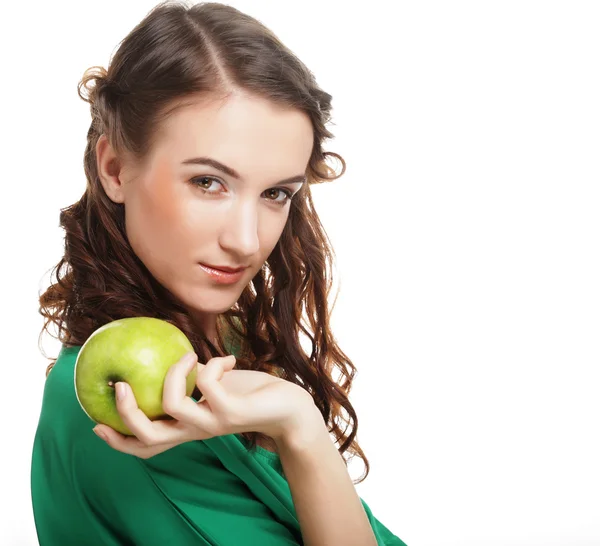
<point x="304" y="428"/>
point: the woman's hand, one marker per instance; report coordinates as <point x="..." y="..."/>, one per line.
<point x="233" y="401"/>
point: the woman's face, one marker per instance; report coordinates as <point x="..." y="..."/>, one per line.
<point x="181" y="213"/>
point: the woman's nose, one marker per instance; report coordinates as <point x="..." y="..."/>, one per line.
<point x="240" y="232"/>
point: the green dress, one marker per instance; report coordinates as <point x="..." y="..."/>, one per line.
<point x="206" y="492"/>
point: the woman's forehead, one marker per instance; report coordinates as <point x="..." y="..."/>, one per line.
<point x="243" y="133"/>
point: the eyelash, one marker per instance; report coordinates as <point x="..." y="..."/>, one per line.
<point x="197" y="180"/>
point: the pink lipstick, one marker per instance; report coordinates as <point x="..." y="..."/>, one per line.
<point x="223" y="277"/>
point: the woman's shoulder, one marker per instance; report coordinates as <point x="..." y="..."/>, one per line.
<point x="62" y="425"/>
<point x="59" y="389"/>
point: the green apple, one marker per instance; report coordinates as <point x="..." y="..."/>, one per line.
<point x="138" y="351"/>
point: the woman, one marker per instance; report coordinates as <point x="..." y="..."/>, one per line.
<point x="206" y="135"/>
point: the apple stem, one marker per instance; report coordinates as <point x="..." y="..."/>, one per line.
<point x="111" y="384"/>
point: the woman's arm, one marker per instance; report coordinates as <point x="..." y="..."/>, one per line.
<point x="328" y="507"/>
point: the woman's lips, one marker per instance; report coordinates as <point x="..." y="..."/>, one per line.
<point x="222" y="277"/>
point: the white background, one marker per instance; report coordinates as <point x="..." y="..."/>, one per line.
<point x="466" y="231"/>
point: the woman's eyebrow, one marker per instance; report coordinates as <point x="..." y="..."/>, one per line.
<point x="232" y="172"/>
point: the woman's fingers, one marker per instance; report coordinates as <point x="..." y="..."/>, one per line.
<point x="207" y="418"/>
<point x="130" y="444"/>
<point x="206" y="415"/>
<point x="174" y="388"/>
<point x="178" y="405"/>
<point x="174" y="392"/>
<point x="208" y="381"/>
<point x="133" y="417"/>
<point x="147" y="432"/>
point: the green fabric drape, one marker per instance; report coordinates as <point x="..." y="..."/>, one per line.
<point x="212" y="492"/>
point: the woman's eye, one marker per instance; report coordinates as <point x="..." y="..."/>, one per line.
<point x="200" y="181"/>
<point x="205" y="183"/>
<point x="286" y="193"/>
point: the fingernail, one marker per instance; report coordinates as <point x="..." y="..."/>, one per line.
<point x="189" y="357"/>
<point x="120" y="391"/>
<point x="100" y="434"/>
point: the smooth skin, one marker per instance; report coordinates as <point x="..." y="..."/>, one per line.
<point x="174" y="219"/>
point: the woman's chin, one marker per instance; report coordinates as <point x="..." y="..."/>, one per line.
<point x="206" y="309"/>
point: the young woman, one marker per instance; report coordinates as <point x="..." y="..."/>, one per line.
<point x="206" y="136"/>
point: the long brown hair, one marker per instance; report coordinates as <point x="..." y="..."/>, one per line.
<point x="178" y="53"/>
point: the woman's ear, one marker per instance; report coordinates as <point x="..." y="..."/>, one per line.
<point x="109" y="169"/>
